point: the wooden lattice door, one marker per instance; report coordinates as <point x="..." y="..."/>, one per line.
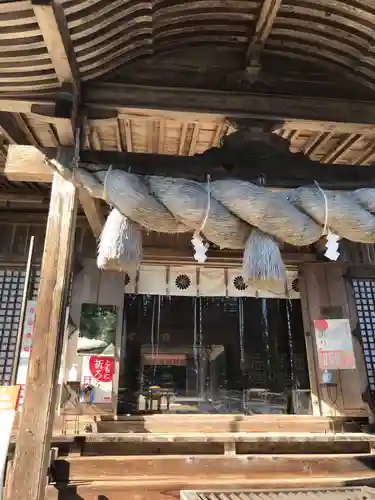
<point x="12" y="282"/>
<point x="364" y="293"/>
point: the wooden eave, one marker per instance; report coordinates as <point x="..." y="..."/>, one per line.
<point x="309" y="64"/>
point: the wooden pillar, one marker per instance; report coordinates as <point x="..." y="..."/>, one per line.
<point x="34" y="437"/>
<point x="324" y="296"/>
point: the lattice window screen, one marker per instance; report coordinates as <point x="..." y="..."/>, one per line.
<point x="364" y="292"/>
<point x="12" y="282"/>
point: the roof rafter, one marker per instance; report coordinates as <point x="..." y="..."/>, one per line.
<point x="12" y="130"/>
<point x="341" y="149"/>
<point x="54" y="28"/>
<point x="257" y="41"/>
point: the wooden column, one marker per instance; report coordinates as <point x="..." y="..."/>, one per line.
<point x="324" y="296"/>
<point x="33" y="441"/>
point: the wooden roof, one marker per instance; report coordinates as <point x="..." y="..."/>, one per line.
<point x="107" y="34"/>
<point x="315" y="48"/>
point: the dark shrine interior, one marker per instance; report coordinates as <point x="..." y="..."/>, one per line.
<point x="213" y="354"/>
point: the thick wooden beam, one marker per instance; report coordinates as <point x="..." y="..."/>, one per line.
<point x="90" y="206"/>
<point x="34" y="437"/>
<point x="228" y="103"/>
<point x="52" y="23"/>
<point x="10" y="129"/>
<point x="125" y="97"/>
<point x="27" y="163"/>
<point x="93" y="212"/>
<point x="258" y="39"/>
<point x="54" y="28"/>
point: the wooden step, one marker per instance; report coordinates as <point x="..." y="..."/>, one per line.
<point x="169" y="489"/>
<point x="214" y="443"/>
<point x="218" y="423"/>
<point x="211" y="466"/>
<point x="218" y="437"/>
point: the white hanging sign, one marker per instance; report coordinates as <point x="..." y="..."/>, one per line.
<point x="334" y="343"/>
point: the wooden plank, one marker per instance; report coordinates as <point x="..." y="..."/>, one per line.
<point x="90" y="206"/>
<point x="93" y="211"/>
<point x="309" y="291"/>
<point x="27" y="163"/>
<point x="323" y="295"/>
<point x="263" y="28"/>
<point x="34" y="437"/>
<point x="341" y="149"/>
<point x="320" y="112"/>
<point x="352" y="384"/>
<point x="172" y="424"/>
<point x="220" y="437"/>
<point x="52" y="23"/>
<point x="10" y="130"/>
<point x="210" y="466"/>
<point x="228" y="103"/>
<point x="169" y="489"/>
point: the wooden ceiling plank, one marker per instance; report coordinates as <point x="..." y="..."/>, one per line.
<point x="183" y="135"/>
<point x="341" y="149"/>
<point x="316" y="142"/>
<point x="118" y="136"/>
<point x="311" y="142"/>
<point x="294" y="136"/>
<point x="319" y="126"/>
<point x="161" y="136"/>
<point x="219" y="132"/>
<point x="95" y="139"/>
<point x="149" y="128"/>
<point x="284" y="133"/>
<point x="194" y="139"/>
<point x="128" y="136"/>
<point x="365" y="155"/>
<point x="324" y="139"/>
<point x="27" y="130"/>
<point x="263" y="28"/>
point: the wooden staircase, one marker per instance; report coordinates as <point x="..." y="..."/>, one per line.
<point x="157" y="465"/>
